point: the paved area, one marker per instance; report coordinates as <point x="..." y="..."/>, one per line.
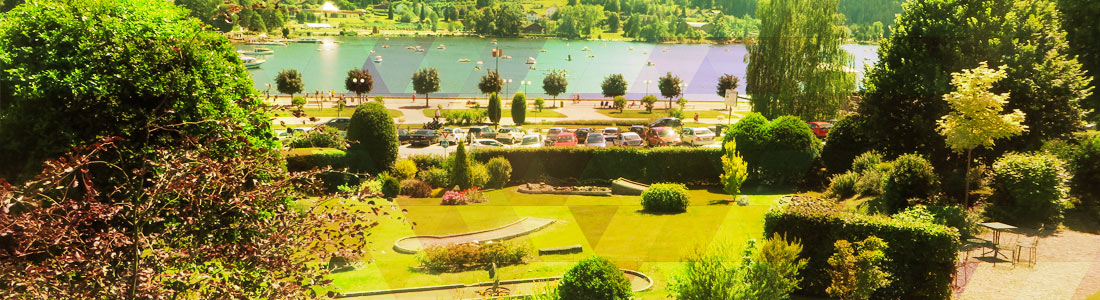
<point x="522" y="227"/>
<point x="1068" y="267"/>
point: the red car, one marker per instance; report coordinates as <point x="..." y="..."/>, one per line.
<point x="566" y="139"/>
<point x="662" y="136"/>
<point x="820" y="129"/>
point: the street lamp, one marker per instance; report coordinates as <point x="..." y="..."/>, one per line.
<point x="506" y="84"/>
<point x="647" y="82"/>
<point x="525" y="84"/>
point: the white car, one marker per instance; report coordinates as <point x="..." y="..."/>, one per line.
<point x="531" y="141"/>
<point x="454" y="135"/>
<point x="611" y="134"/>
<point x="552" y="135"/>
<point x="595" y="139"/>
<point x="511" y="134"/>
<point x="697" y="136"/>
<point x="630" y="139"/>
<point x="486" y="143"/>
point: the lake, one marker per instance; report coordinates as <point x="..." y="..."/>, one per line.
<point x="325" y="65"/>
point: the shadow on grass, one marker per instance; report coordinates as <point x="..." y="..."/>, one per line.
<point x="720" y="202"/>
<point x="658" y="213"/>
<point x="1078" y="220"/>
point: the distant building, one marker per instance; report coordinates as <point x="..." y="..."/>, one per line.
<point x="532" y="16"/>
<point x="703" y="26"/>
<point x="534" y="28"/>
<point x="551" y="11"/>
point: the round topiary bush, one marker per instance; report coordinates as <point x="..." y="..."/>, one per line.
<point x="1029" y="189"/>
<point x="594" y="278"/>
<point x="405" y="169"/>
<point x="665" y="197"/>
<point x="415" y="188"/>
<point x="373" y="139"/>
<point x="847" y="139"/>
<point x="390" y="186"/>
<point x="911" y="177"/>
<point x="500" y="171"/>
<point x="479" y="175"/>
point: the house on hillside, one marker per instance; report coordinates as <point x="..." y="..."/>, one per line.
<point x="532" y="16"/>
<point x="550" y="12"/>
<point x="533" y="28"/>
<point x="701" y="26"/>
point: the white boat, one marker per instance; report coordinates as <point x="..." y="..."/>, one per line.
<point x="506" y="57"/>
<point x="479" y="62"/>
<point x="378" y="59"/>
<point x="441" y="46"/>
<point x="266" y="43"/>
<point x="586" y="49"/>
<point x="530" y="60"/>
<point x="312" y="40"/>
<point x="542" y="50"/>
<point x="385" y="46"/>
<point x="257" y="51"/>
<point x="251" y="62"/>
<point x="463" y="60"/>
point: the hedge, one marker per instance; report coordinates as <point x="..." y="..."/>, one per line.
<point x="303" y="159"/>
<point x="693" y="166"/>
<point x="625" y="122"/>
<point x="921" y="255"/>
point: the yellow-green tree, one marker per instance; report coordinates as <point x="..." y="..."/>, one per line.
<point x="734" y="170"/>
<point x="975" y="119"/>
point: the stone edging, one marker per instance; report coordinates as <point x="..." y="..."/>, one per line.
<point x="643" y="276"/>
<point x="397" y="244"/>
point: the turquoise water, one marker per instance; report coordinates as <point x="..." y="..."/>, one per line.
<point x="324" y="66"/>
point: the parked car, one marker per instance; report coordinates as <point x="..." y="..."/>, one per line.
<point x="423" y="137"/>
<point x="338" y="123"/>
<point x="666" y="122"/>
<point x="511" y="134"/>
<point x="454" y="135"/>
<point x="565" y="139"/>
<point x="531" y="141"/>
<point x="611" y="134"/>
<point x="403" y="136"/>
<point x="630" y="139"/>
<point x="697" y="136"/>
<point x="486" y="143"/>
<point x="582" y="133"/>
<point x="638" y="129"/>
<point x="662" y="136"/>
<point x="595" y="139"/>
<point x="481" y="132"/>
<point x="552" y="135"/>
<point x="821" y="129"/>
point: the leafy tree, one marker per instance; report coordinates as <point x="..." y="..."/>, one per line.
<point x="289" y="82"/>
<point x="857" y="271"/>
<point x="805" y="76"/>
<point x="734" y="170"/>
<point x="555" y="84"/>
<point x="594" y="278"/>
<point x="620" y="103"/>
<point x="460" y="168"/>
<point x="373" y="138"/>
<point x="613" y="85"/>
<point x="519" y="108"/>
<point x="360" y="82"/>
<point x="578" y="20"/>
<point x="79" y="88"/>
<point x="612" y="22"/>
<point x="494" y="108"/>
<point x="203" y="10"/>
<point x="670" y="86"/>
<point x="727" y="82"/>
<point x="426" y="81"/>
<point x="539" y="103"/>
<point x="1081" y="25"/>
<point x="504" y="19"/>
<point x="298" y="102"/>
<point x="721" y="29"/>
<point x="490" y="83"/>
<point x="649" y="100"/>
<point x="976" y="119"/>
<point x="903" y="99"/>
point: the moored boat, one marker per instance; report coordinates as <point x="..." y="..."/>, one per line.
<point x="309" y="40"/>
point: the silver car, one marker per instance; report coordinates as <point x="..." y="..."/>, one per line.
<point x="630" y="139"/>
<point x="697" y="136"/>
<point x="531" y="141"/>
<point x="511" y="135"/>
<point x="595" y="139"/>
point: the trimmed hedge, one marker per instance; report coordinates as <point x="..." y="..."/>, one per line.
<point x="693" y="166"/>
<point x="921" y="255"/>
<point x="303" y="159"/>
<point x="779" y="153"/>
<point x="665" y="198"/>
<point x="1030" y="189"/>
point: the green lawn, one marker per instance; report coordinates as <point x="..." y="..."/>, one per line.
<point x="331" y="112"/>
<point x="661" y="113"/>
<point x="505" y="113"/>
<point x="612" y="227"/>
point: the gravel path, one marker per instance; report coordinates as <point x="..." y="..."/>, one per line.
<point x="1068" y="267"/>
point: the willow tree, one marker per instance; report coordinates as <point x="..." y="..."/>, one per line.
<point x="797" y="66"/>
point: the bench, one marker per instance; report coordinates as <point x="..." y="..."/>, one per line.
<point x="561" y="250"/>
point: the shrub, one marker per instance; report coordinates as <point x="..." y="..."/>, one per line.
<point x="911" y="177"/>
<point x="848" y="138"/>
<point x="734" y="170"/>
<point x="1082" y="160"/>
<point x="500" y="171"/>
<point x="390" y="186"/>
<point x="856" y="271"/>
<point x="303" y="159"/>
<point x="460" y="167"/>
<point x="594" y="278"/>
<point x="778" y="153"/>
<point x="463" y="197"/>
<point x="870" y="181"/>
<point x="706" y="275"/>
<point x="323" y="137"/>
<point x="921" y="255"/>
<point x="479" y="175"/>
<point x="1029" y="189"/>
<point x="428" y="161"/>
<point x="676" y="113"/>
<point x="768" y="270"/>
<point x="373" y="139"/>
<point x="693" y="166"/>
<point x="866" y="161"/>
<point x="436" y="177"/>
<point x="843" y="186"/>
<point x="953" y="216"/>
<point x="415" y="188"/>
<point x="665" y="197"/>
<point x="405" y="169"/>
<point x="471" y="256"/>
<point x="519" y="108"/>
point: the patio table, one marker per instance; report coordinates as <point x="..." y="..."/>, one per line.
<point x="997" y="228"/>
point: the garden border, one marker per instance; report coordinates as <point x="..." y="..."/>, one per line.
<point x="397" y="244"/>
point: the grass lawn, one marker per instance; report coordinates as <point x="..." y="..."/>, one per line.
<point x="505" y="113"/>
<point x="332" y="112"/>
<point x="661" y="113"/>
<point x="604" y="226"/>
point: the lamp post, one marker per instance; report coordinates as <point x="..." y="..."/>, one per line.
<point x="525" y="84"/>
<point x="506" y="84"/>
<point x="647" y="82"/>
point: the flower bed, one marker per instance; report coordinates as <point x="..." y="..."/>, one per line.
<point x="463" y="197"/>
<point x="542" y="188"/>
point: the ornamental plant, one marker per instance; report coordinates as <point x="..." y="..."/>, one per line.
<point x="734" y="170"/>
<point x="857" y="270"/>
<point x="665" y="198"/>
<point x="594" y="278"/>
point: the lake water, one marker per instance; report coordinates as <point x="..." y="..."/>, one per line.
<point x="324" y="66"/>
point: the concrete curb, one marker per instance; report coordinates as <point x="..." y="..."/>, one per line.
<point x="480" y="284"/>
<point x="397" y="244"/>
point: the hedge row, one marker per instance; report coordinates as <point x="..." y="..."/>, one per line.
<point x="625" y="122"/>
<point x="693" y="166"/>
<point x="921" y="256"/>
<point x="303" y="159"/>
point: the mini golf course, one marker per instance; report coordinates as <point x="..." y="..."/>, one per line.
<point x="526" y="225"/>
<point x="638" y="283"/>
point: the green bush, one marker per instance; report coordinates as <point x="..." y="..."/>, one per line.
<point x="856" y="270"/>
<point x="519" y="108"/>
<point x="594" y="278"/>
<point x="390" y="186"/>
<point x="428" y="161"/>
<point x="303" y="159"/>
<point x="693" y="166"/>
<point x="415" y="188"/>
<point x="870" y="181"/>
<point x="479" y="175"/>
<point x="1082" y="158"/>
<point x="460" y="168"/>
<point x="665" y="198"/>
<point x="373" y="139"/>
<point x="866" y="161"/>
<point x="324" y="137"/>
<point x="1029" y="189"/>
<point x="333" y="180"/>
<point x="953" y="216"/>
<point x="921" y="255"/>
<point x="911" y="177"/>
<point x="436" y="177"/>
<point x="843" y="186"/>
<point x="767" y="270"/>
<point x="500" y="171"/>
<point x="470" y="256"/>
<point x="848" y="138"/>
<point x="405" y="169"/>
<point x="778" y="153"/>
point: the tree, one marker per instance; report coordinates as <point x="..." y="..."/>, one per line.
<point x="613" y="85"/>
<point x="298" y="102"/>
<point x="620" y="103"/>
<point x="539" y="103"/>
<point x="976" y="119"/>
<point x="555" y="84"/>
<point x="360" y="82"/>
<point x="372" y="136"/>
<point x="649" y="100"/>
<point x="734" y="170"/>
<point x="670" y="87"/>
<point x="1081" y="25"/>
<point x="289" y="82"/>
<point x="612" y="22"/>
<point x="426" y="81"/>
<point x="460" y="168"/>
<point x="727" y="82"/>
<point x="490" y="83"/>
<point x="797" y="66"/>
<point x="903" y="99"/>
<point x="721" y="30"/>
<point x="494" y="108"/>
<point x="856" y="272"/>
<point x="519" y="108"/>
<point x="184" y="75"/>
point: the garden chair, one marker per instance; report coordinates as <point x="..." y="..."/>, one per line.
<point x="1031" y="243"/>
<point x="1005" y="245"/>
<point x="974" y="243"/>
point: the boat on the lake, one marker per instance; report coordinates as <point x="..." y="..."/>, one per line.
<point x="251" y="62"/>
<point x="542" y="50"/>
<point x="586" y="49"/>
<point x="463" y="60"/>
<point x="257" y="51"/>
<point x="441" y="47"/>
<point x="385" y="46"/>
<point x="378" y="59"/>
<point x="530" y="60"/>
<point x="311" y="40"/>
<point x="266" y="43"/>
<point x="506" y="57"/>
